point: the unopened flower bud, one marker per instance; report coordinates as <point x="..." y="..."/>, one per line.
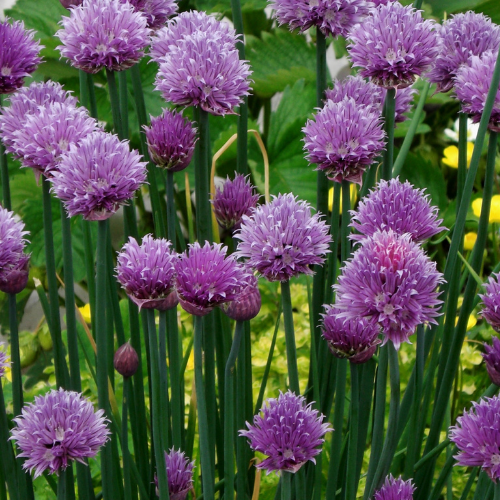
<point x="247" y="304"/>
<point x="126" y="360"/>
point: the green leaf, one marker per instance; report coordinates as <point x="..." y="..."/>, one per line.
<point x="490" y="8"/>
<point x="224" y="6"/>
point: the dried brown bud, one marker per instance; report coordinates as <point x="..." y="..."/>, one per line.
<point x="126" y="360"/>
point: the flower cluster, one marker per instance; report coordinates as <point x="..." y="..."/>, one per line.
<point x="156" y="12"/>
<point x="491" y="302"/>
<point x="179" y="474"/>
<point x="491" y="357"/>
<point x="395" y="489"/>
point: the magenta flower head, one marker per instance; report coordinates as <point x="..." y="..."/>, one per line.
<point x="354" y="339"/>
<point x="398" y="206"/>
<point x="171" y="139"/>
<point x="477" y="436"/>
<point x="395" y="489"/>
<point x="207" y="278"/>
<point x="67" y="4"/>
<point x="390" y="281"/>
<point x="18" y="55"/>
<point x="103" y="34"/>
<point x="472" y="84"/>
<point x="247" y="303"/>
<point x="462" y="36"/>
<point x="57" y="428"/>
<point x="147" y="273"/>
<point x="491" y="357"/>
<point x="13" y="261"/>
<point x="393" y="46"/>
<point x="491" y="302"/>
<point x="236" y="199"/>
<point x="343" y="139"/>
<point x="98" y="176"/>
<point x="281" y="239"/>
<point x="332" y="17"/>
<point x="156" y="12"/>
<point x="288" y="431"/>
<point x="4" y="360"/>
<point x="179" y="474"/>
<point x="27" y="101"/>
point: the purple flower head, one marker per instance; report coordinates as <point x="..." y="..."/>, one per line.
<point x="477" y="436"/>
<point x="354" y="339"/>
<point x="67" y="4"/>
<point x="288" y="431"/>
<point x="98" y="176"/>
<point x="103" y="34"/>
<point x="491" y="357"/>
<point x="332" y="17"/>
<point x="47" y="135"/>
<point x="207" y="278"/>
<point x="390" y="281"/>
<point x="472" y="84"/>
<point x="343" y="139"/>
<point x="491" y="302"/>
<point x="57" y="428"/>
<point x="18" y="55"/>
<point x="236" y="199"/>
<point x="281" y="239"/>
<point x="4" y="360"/>
<point x="27" y="101"/>
<point x="13" y="261"/>
<point x="179" y="474"/>
<point x="395" y="489"/>
<point x="171" y="139"/>
<point x="462" y="36"/>
<point x="376" y="3"/>
<point x="147" y="272"/>
<point x="156" y="12"/>
<point x="247" y="303"/>
<point x="397" y="206"/>
<point x="393" y="46"/>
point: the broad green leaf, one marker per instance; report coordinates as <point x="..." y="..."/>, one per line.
<point x="490" y="8"/>
<point x="224" y="6"/>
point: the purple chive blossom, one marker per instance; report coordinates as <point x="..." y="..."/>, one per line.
<point x="70" y="3"/>
<point x="207" y="278"/>
<point x="156" y="12"/>
<point x="18" y="55"/>
<point x="98" y="176"/>
<point x="47" y="135"/>
<point x="147" y="272"/>
<point x="343" y="139"/>
<point x="472" y="84"/>
<point x="477" y="436"/>
<point x="4" y="360"/>
<point x="171" y="139"/>
<point x="332" y="17"/>
<point x="247" y="303"/>
<point x="393" y="46"/>
<point x="179" y="474"/>
<point x="491" y="302"/>
<point x="236" y="199"/>
<point x="397" y="206"/>
<point x="395" y="489"/>
<point x="103" y="34"/>
<point x="491" y="357"/>
<point x="390" y="281"/>
<point x="13" y="260"/>
<point x="354" y="339"/>
<point x="288" y="431"/>
<point x="376" y="3"/>
<point x="57" y="428"/>
<point x="462" y="36"/>
<point x="27" y="101"/>
<point x="281" y="239"/>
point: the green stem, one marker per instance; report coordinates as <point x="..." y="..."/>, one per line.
<point x="286" y="485"/>
<point x="174" y="356"/>
<point x="123" y="94"/>
<point x="462" y="155"/>
<point x="115" y="103"/>
<point x="17" y="380"/>
<point x="345" y="249"/>
<point x="124" y="443"/>
<point x="443" y="476"/>
<point x="321" y="68"/>
<point x="162" y="357"/>
<point x="4" y="168"/>
<point x="351" y="486"/>
<point x="496" y="489"/>
<point x="291" y="351"/>
<point x="389" y="109"/>
<point x="170" y="208"/>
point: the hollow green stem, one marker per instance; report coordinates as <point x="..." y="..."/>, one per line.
<point x="351" y="483"/>
<point x="123" y="95"/>
<point x="17" y="381"/>
<point x="291" y="351"/>
<point x="286" y="485"/>
<point x="389" y="115"/>
<point x="124" y="442"/>
<point x="4" y="169"/>
<point x="115" y="103"/>
<point x="462" y="155"/>
<point x="170" y="208"/>
<point x="345" y="249"/>
<point x="496" y="489"/>
<point x="162" y="358"/>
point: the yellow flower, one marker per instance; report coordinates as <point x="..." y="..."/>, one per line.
<point x="494" y="210"/>
<point x="471" y="322"/>
<point x="85" y="312"/>
<point x="470" y="240"/>
<point x="451" y="155"/>
<point x="354" y="195"/>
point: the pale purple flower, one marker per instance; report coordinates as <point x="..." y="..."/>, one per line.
<point x="472" y="84"/>
<point x="398" y="206"/>
<point x="343" y="139"/>
<point x="13" y="261"/>
<point x="18" y="55"/>
<point x="103" y="34"/>
<point x="462" y="36"/>
<point x="67" y="4"/>
<point x="247" y="303"/>
<point x="394" y="45"/>
<point x="207" y="278"/>
<point x="4" y="360"/>
<point x="179" y="474"/>
<point x="171" y="139"/>
<point x="477" y="436"/>
<point x="491" y="357"/>
<point x="282" y="238"/>
<point x="57" y="428"/>
<point x="376" y="3"/>
<point x="156" y="12"/>
<point x="235" y="199"/>
<point x="491" y="302"/>
<point x="390" y="281"/>
<point x="147" y="272"/>
<point x="354" y="339"/>
<point x="395" y="489"/>
<point x="98" y="176"/>
<point x="289" y="431"/>
<point x="27" y="101"/>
